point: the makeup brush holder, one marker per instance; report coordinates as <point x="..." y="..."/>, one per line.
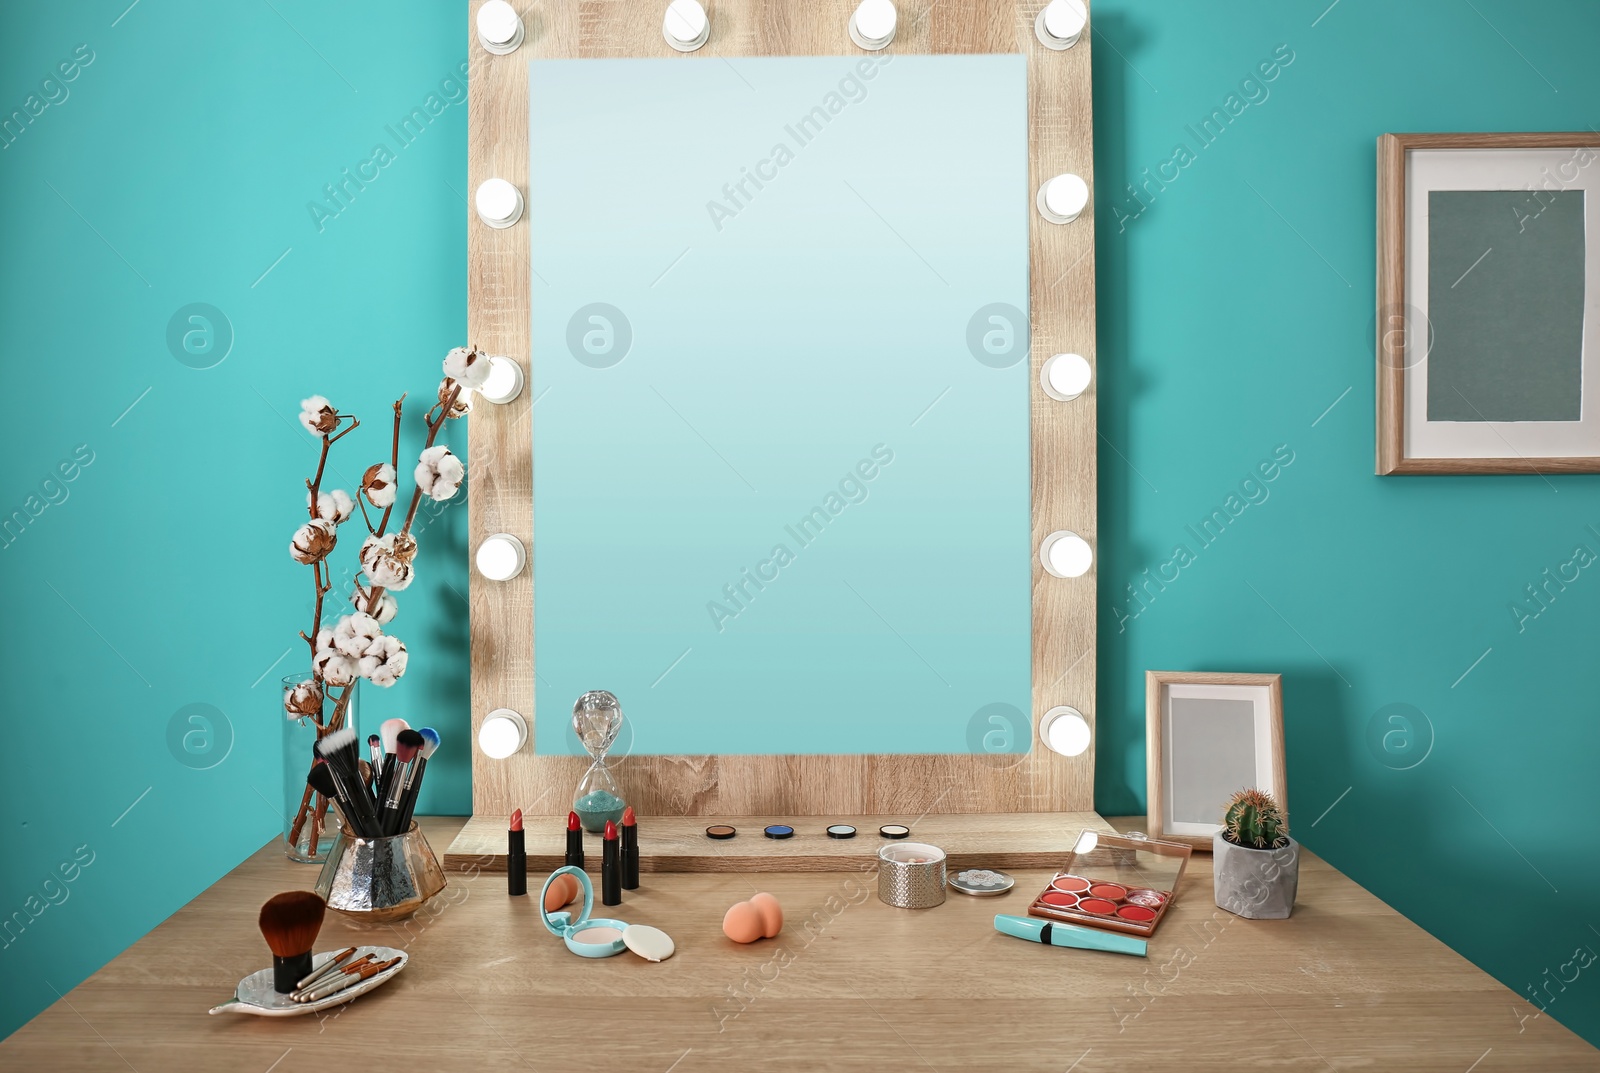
<point x="380" y="879"/>
<point x="911" y="875"/>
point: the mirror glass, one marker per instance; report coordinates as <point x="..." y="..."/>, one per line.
<point x="780" y="388"/>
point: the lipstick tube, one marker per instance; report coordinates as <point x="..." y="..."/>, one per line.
<point x="516" y="857"/>
<point x="574" y="841"/>
<point x="630" y="849"/>
<point x="1070" y="935"/>
<point x="610" y="867"/>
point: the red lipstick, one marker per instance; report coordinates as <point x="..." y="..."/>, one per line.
<point x="516" y="857"/>
<point x="610" y="868"/>
<point x="630" y="849"/>
<point x="574" y="841"/>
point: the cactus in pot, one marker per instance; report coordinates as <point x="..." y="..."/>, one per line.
<point x="1256" y="865"/>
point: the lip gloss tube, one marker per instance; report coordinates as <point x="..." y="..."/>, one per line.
<point x="610" y="868"/>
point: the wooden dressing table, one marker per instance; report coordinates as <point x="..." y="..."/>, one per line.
<point x="1345" y="984"/>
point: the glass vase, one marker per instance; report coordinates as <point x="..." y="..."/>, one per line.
<point x="299" y="739"/>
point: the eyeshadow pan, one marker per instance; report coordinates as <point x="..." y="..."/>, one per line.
<point x="721" y="831"/>
<point x="1137" y="913"/>
<point x="1098" y="906"/>
<point x="1070" y="884"/>
<point x="1059" y="898"/>
<point x="1112" y="892"/>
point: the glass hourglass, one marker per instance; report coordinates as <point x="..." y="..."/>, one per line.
<point x="597" y="718"/>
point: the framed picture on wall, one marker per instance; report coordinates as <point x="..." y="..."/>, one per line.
<point x="1488" y="320"/>
<point x="1209" y="735"/>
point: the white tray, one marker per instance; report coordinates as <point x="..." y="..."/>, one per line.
<point x="257" y="996"/>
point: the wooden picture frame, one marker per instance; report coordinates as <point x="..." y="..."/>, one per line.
<point x="1062" y="435"/>
<point x="1165" y="756"/>
<point x="1494" y="417"/>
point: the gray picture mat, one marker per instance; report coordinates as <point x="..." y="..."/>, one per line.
<point x="1210" y="752"/>
<point x="1505" y="298"/>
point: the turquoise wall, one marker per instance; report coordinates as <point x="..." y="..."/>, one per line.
<point x="177" y="167"/>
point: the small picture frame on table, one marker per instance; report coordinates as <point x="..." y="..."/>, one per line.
<point x="1488" y="318"/>
<point x="1208" y="736"/>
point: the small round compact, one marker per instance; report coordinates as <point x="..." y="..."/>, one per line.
<point x="981" y="882"/>
<point x="895" y="830"/>
<point x="778" y="830"/>
<point x="841" y="830"/>
<point x="598" y="937"/>
<point x="721" y="831"/>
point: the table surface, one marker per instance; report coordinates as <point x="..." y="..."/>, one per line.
<point x="850" y="984"/>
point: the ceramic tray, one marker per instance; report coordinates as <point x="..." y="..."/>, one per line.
<point x="256" y="995"/>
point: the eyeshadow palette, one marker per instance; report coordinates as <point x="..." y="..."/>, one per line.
<point x="1115" y="882"/>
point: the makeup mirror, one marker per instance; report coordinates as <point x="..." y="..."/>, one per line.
<point x="1209" y="735"/>
<point x="784" y="462"/>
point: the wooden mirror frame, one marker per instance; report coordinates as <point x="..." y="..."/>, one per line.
<point x="1063" y="434"/>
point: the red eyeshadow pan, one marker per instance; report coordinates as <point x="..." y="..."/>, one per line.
<point x="1056" y="897"/>
<point x="1098" y="906"/>
<point x="1136" y="913"/>
<point x="1070" y="884"/>
<point x="1114" y="892"/>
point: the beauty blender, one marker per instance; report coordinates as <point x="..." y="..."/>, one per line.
<point x="742" y="923"/>
<point x="771" y="913"/>
<point x="562" y="892"/>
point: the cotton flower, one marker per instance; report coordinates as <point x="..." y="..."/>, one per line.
<point x="303" y="699"/>
<point x="335" y="506"/>
<point x="384" y="564"/>
<point x="439" y="473"/>
<point x="463" y="403"/>
<point x="384" y="662"/>
<point x="360" y="597"/>
<point x="378" y="485"/>
<point x="320" y="418"/>
<point x="354" y="634"/>
<point x="468" y="366"/>
<point x="336" y="668"/>
<point x="313" y="541"/>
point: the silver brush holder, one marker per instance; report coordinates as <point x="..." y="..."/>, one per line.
<point x="911" y="875"/>
<point x="380" y="879"/>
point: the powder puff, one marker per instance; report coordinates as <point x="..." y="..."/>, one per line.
<point x="378" y="485"/>
<point x="468" y="366"/>
<point x="318" y="415"/>
<point x="313" y="541"/>
<point x="439" y="473"/>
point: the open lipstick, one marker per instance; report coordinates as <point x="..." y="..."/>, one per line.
<point x="574" y="841"/>
<point x="516" y="857"/>
<point x="630" y="849"/>
<point x="610" y="868"/>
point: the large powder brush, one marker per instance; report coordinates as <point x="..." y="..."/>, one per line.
<point x="290" y="923"/>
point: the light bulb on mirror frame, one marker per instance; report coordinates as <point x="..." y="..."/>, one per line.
<point x="502" y="733"/>
<point x="1065" y="376"/>
<point x="1065" y="554"/>
<point x="1064" y="730"/>
<point x="500" y="557"/>
<point x="1063" y="198"/>
<point x="500" y="29"/>
<point x="1060" y="24"/>
<point x="685" y="25"/>
<point x="505" y="381"/>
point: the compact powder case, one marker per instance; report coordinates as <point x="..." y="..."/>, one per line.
<point x="1115" y="882"/>
<point x="779" y="830"/>
<point x="981" y="882"/>
<point x="895" y="830"/>
<point x="841" y="830"/>
<point x="721" y="831"/>
<point x="598" y="937"/>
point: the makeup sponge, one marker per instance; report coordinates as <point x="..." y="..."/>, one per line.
<point x="760" y="917"/>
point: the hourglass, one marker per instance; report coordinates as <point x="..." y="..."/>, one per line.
<point x="596" y="718"/>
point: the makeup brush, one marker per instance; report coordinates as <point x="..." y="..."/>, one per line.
<point x="338" y="748"/>
<point x="389" y="731"/>
<point x="344" y="980"/>
<point x="320" y="779"/>
<point x="322" y="977"/>
<point x="290" y="923"/>
<point x="327" y="966"/>
<point x="375" y="753"/>
<point x="407" y="744"/>
<point x="430" y="744"/>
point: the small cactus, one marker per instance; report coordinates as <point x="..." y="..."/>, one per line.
<point x="1254" y="819"/>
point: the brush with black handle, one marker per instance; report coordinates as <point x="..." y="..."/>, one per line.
<point x="407" y="744"/>
<point x="430" y="743"/>
<point x="389" y="736"/>
<point x="338" y="748"/>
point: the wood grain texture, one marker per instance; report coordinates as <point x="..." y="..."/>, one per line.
<point x="1346" y="983"/>
<point x="1063" y="435"/>
<point x="1155" y="683"/>
<point x="1393" y="311"/>
<point x="679" y="843"/>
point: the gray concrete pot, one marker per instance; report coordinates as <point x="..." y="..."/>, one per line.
<point x="1258" y="884"/>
